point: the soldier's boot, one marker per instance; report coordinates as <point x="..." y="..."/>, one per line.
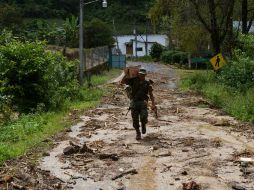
<point x="143" y="128"/>
<point x="138" y="134"/>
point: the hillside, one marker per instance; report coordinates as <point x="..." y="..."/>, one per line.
<point x="126" y="13"/>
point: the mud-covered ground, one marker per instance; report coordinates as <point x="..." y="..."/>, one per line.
<point x="191" y="142"/>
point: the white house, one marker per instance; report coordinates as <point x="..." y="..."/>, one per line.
<point x="127" y="43"/>
<point x="238" y="26"/>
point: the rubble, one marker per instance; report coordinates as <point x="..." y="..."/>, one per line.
<point x="114" y="157"/>
<point x="191" y="186"/>
<point x="181" y="146"/>
<point x="74" y="148"/>
<point x="131" y="171"/>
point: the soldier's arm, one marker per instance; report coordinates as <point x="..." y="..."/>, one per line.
<point x="150" y="91"/>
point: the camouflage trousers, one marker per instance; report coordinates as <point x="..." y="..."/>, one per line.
<point x="139" y="113"/>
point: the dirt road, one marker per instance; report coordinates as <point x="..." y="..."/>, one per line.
<point x="191" y="141"/>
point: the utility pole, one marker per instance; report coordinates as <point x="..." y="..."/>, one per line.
<point x="118" y="50"/>
<point x="136" y="42"/>
<point x="81" y="45"/>
<point x="82" y="64"/>
<point x="117" y="43"/>
<point x="146" y="43"/>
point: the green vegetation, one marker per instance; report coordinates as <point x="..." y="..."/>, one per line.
<point x="38" y="89"/>
<point x="156" y="51"/>
<point x="127" y="14"/>
<point x="20" y="135"/>
<point x="98" y="33"/>
<point x="235" y="102"/>
<point x="173" y="56"/>
<point x="33" y="78"/>
<point x="232" y="88"/>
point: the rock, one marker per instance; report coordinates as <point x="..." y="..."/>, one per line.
<point x="45" y="154"/>
<point x="70" y="150"/>
<point x="85" y="149"/>
<point x="177" y="179"/>
<point x="184" y="173"/>
<point x="185" y="150"/>
<point x="68" y="130"/>
<point x="221" y="122"/>
<point x="238" y="187"/>
<point x="244" y="164"/>
<point x="23" y="176"/>
<point x="164" y="154"/>
<point x="191" y="186"/>
<point x="7" y="179"/>
<point x="156" y="147"/>
<point x="114" y="157"/>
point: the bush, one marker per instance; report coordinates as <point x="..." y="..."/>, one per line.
<point x="171" y="56"/>
<point x="156" y="51"/>
<point x="180" y="57"/>
<point x="237" y="103"/>
<point x="34" y="77"/>
<point x="167" y="57"/>
<point x="239" y="72"/>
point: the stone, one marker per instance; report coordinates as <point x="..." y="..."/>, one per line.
<point x="191" y="186"/>
<point x="70" y="150"/>
<point x="45" y="154"/>
<point x="238" y="187"/>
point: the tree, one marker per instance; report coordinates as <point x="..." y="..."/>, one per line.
<point x="9" y="16"/>
<point x="247" y="15"/>
<point x="219" y="20"/>
<point x="98" y="33"/>
<point x="177" y="20"/>
<point x="71" y="32"/>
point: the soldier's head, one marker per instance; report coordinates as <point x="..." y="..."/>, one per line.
<point x="142" y="73"/>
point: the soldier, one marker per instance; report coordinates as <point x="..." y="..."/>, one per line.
<point x="138" y="90"/>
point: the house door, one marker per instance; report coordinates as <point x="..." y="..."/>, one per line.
<point x="129" y="49"/>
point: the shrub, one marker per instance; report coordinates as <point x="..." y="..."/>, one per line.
<point x="180" y="57"/>
<point x="167" y="57"/>
<point x="34" y="77"/>
<point x="171" y="56"/>
<point x="239" y="72"/>
<point x="156" y="51"/>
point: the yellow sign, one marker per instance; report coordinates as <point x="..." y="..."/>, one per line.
<point x="218" y="61"/>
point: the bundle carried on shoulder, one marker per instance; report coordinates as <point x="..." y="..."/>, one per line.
<point x="129" y="73"/>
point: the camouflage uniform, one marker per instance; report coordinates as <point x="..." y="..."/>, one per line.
<point x="138" y="94"/>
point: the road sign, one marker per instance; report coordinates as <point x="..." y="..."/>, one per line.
<point x="218" y="61"/>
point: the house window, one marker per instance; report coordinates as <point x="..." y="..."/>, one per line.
<point x="139" y="49"/>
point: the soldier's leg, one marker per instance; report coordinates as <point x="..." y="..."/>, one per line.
<point x="144" y="118"/>
<point x="135" y="119"/>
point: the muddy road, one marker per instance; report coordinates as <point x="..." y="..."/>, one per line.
<point x="191" y="143"/>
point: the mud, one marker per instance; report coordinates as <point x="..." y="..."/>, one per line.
<point x="191" y="141"/>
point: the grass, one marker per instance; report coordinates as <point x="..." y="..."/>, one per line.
<point x="237" y="103"/>
<point x="29" y="131"/>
